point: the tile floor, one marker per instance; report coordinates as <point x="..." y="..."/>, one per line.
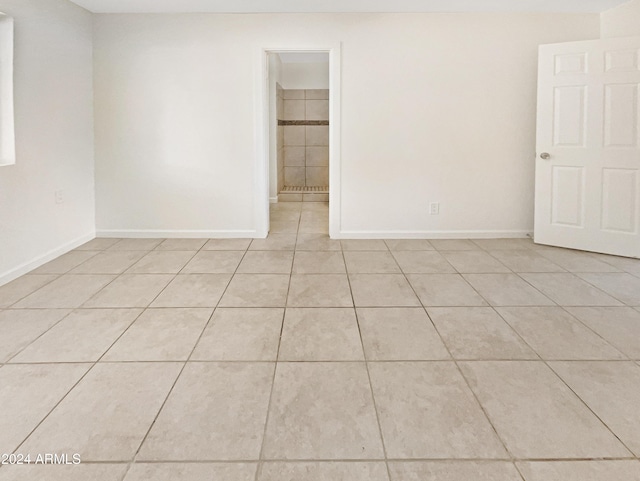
<point x="302" y="358"/>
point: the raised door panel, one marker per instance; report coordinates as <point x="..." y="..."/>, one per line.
<point x="621" y="106"/>
<point x="627" y="60"/>
<point x="569" y="116"/>
<point x="620" y="200"/>
<point x="567" y="202"/>
<point x="570" y="63"/>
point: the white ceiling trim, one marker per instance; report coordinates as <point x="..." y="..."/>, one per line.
<point x="345" y="6"/>
<point x="304" y="57"/>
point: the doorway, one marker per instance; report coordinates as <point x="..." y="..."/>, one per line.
<point x="299" y="141"/>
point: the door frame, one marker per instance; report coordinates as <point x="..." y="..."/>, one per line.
<point x="261" y="199"/>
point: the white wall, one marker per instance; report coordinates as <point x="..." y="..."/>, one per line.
<point x="54" y="136"/>
<point x="275" y="77"/>
<point x="305" y="75"/>
<point x="621" y="21"/>
<point x="435" y="107"/>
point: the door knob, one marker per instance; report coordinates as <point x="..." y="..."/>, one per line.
<point x="545" y="156"/>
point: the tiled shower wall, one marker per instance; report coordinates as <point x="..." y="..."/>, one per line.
<point x="306" y="137"/>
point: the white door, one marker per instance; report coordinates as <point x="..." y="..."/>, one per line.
<point x="588" y="146"/>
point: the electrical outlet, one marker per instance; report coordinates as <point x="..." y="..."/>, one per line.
<point x="59" y="195"/>
<point x="434" y="208"/>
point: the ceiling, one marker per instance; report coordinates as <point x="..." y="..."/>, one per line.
<point x="319" y="6"/>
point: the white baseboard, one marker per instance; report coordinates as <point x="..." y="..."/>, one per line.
<point x="273" y="200"/>
<point x="179" y="234"/>
<point x="454" y="234"/>
<point x="28" y="266"/>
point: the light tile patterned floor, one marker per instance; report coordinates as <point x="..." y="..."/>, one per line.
<point x="302" y="358"/>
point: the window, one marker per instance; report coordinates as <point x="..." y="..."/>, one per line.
<point x="7" y="131"/>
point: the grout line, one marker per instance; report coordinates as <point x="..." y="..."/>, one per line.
<point x="549" y="367"/>
<point x="164" y="402"/>
<point x="273" y="382"/>
<point x="17" y="353"/>
<point x="115" y="277"/>
<point x="545" y="359"/>
<point x="57" y="276"/>
<point x="495" y="431"/>
<point x="175" y="275"/>
<point x="364" y="356"/>
<point x="135" y="456"/>
<point x="473" y="393"/>
<point x="607" y="342"/>
<point x="461" y="270"/>
<point x="527" y="271"/>
<point x="15" y="451"/>
<point x="546" y="362"/>
<point x="142" y="311"/>
<point x="518" y="470"/>
<point x="519" y="275"/>
<point x="93" y="365"/>
<point x="589" y="408"/>
<point x="544" y="253"/>
<point x="599" y="288"/>
<point x="195" y="253"/>
<point x="133" y="321"/>
<point x="275" y="366"/>
<point x="576" y="276"/>
<point x="34" y="271"/>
